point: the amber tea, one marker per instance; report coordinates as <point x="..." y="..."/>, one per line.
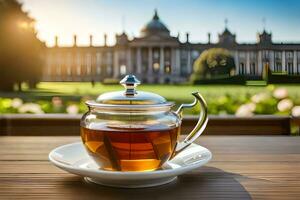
<point x="121" y="149"/>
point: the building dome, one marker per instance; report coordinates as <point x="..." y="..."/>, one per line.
<point x="155" y="26"/>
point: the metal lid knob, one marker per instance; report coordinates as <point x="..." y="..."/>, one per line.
<point x="130" y="82"/>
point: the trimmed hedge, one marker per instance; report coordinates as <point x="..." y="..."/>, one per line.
<point x="237" y="79"/>
<point x="110" y="81"/>
<point x="281" y="78"/>
<point x="242" y="79"/>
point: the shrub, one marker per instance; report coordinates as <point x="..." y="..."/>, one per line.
<point x="110" y="81"/>
<point x="213" y="63"/>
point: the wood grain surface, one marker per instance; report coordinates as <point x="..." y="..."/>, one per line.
<point x="68" y="125"/>
<point x="243" y="167"/>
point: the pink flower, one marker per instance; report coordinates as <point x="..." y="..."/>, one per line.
<point x="246" y="110"/>
<point x="285" y="105"/>
<point x="296" y="111"/>
<point x="280" y="93"/>
<point x="72" y="109"/>
<point x="260" y="97"/>
<point x="30" y="108"/>
<point x="16" y="103"/>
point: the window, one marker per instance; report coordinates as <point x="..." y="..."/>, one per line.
<point x="109" y="70"/>
<point x="123" y="70"/>
<point x="265" y="55"/>
<point x="278" y="67"/>
<point x="58" y="70"/>
<point x="242" y="68"/>
<point x="69" y="64"/>
<point x="278" y="54"/>
<point x="252" y="69"/>
<point x="98" y="70"/>
<point x="252" y="55"/>
<point x="242" y="55"/>
<point x="109" y="58"/>
<point x="155" y="67"/>
<point x="98" y="63"/>
<point x="88" y="64"/>
<point x="155" y="54"/>
<point x="290" y="68"/>
<point x="195" y="54"/>
<point x="78" y="67"/>
<point x="144" y="63"/>
<point x="122" y="55"/>
<point x="183" y="62"/>
<point x="167" y="67"/>
<point x="289" y="55"/>
<point x="49" y="64"/>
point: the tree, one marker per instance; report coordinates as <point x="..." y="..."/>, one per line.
<point x="212" y="63"/>
<point x="20" y="50"/>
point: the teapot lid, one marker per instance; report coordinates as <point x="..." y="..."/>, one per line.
<point x="129" y="97"/>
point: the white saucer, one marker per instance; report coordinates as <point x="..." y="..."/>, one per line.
<point x="73" y="158"/>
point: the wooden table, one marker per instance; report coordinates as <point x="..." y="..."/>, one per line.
<point x="243" y="167"/>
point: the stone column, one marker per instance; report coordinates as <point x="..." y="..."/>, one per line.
<point x="98" y="65"/>
<point x="189" y="62"/>
<point x="116" y="65"/>
<point x="138" y="61"/>
<point x="78" y="67"/>
<point x="88" y="64"/>
<point x="237" y="62"/>
<point x="295" y="62"/>
<point x="57" y="68"/>
<point x="283" y="61"/>
<point x="109" y="64"/>
<point x="177" y="56"/>
<point x="272" y="61"/>
<point x="47" y="70"/>
<point x="161" y="61"/>
<point x="129" y="69"/>
<point x="259" y="63"/>
<point x="150" y="60"/>
<point x="173" y="61"/>
<point x="248" y="62"/>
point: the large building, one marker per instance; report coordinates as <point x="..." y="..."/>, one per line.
<point x="158" y="57"/>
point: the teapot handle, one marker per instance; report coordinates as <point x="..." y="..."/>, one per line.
<point x="200" y="126"/>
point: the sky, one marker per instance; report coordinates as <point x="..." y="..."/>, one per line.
<point x="65" y="18"/>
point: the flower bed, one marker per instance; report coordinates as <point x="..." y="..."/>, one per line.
<point x="270" y="101"/>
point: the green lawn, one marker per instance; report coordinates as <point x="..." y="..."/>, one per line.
<point x="170" y="92"/>
<point x="221" y="99"/>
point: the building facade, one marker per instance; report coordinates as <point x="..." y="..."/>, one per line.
<point x="158" y="57"/>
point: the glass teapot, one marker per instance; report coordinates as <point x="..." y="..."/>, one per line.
<point x="134" y="130"/>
